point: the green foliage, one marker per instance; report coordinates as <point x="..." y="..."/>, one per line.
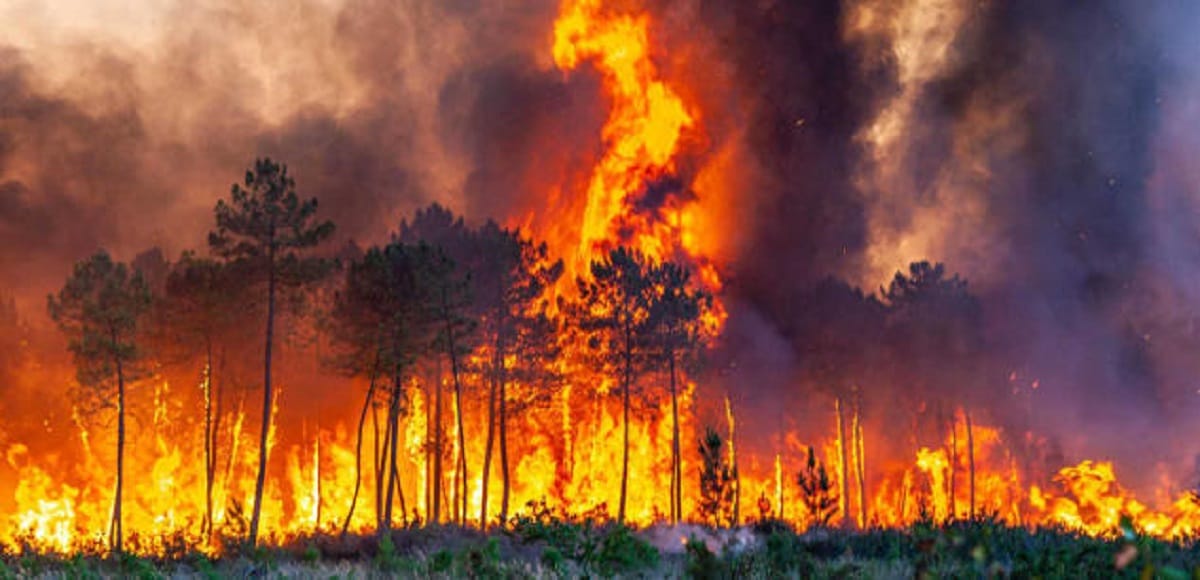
<point x="441" y="561"/>
<point x="136" y="567"/>
<point x="553" y="559"/>
<point x="264" y="223"/>
<point x="483" y="561"/>
<point x="623" y="552"/>
<point x="703" y="564"/>
<point x="79" y="567"/>
<point x="817" y="491"/>
<point x="717" y="480"/>
<point x="786" y="555"/>
<point x="99" y="309"/>
<point x="386" y="559"/>
<point x="605" y="550"/>
<point x="311" y="554"/>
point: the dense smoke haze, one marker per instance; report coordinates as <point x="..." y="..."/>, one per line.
<point x="1042" y="150"/>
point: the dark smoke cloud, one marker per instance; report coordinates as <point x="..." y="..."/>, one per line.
<point x="1083" y="248"/>
<point x="1077" y="289"/>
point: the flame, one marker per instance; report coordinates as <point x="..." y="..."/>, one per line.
<point x="563" y="451"/>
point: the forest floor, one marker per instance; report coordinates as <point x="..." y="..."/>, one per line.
<point x="553" y="548"/>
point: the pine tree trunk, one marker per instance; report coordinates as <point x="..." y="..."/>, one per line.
<point x="266" y="411"/>
<point x="435" y="514"/>
<point x="860" y="447"/>
<point x="460" y="490"/>
<point x="218" y="411"/>
<point x="358" y="445"/>
<point x="953" y="464"/>
<point x="487" y="455"/>
<point x="843" y="452"/>
<point x="676" y="469"/>
<point x="380" y="458"/>
<point x="625" y="421"/>
<point x="971" y="461"/>
<point x="209" y="461"/>
<point x="737" y="477"/>
<point x="118" y="532"/>
<point x="393" y="445"/>
<point x="505" y="477"/>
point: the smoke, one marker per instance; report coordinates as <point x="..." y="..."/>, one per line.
<point x="124" y="136"/>
<point x="1038" y="148"/>
<point x="1041" y="149"/>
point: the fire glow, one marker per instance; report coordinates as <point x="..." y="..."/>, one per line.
<point x="562" y="451"/>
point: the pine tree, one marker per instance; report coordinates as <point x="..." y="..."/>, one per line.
<point x="100" y="309"/>
<point x="262" y="231"/>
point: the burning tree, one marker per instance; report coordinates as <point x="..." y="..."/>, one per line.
<point x="383" y="321"/>
<point x="677" y="314"/>
<point x="438" y="226"/>
<point x="834" y="331"/>
<point x="100" y="309"/>
<point x="935" y="329"/>
<point x="197" y="312"/>
<point x="510" y="282"/>
<point x="817" y="491"/>
<point x="717" y="481"/>
<point x="263" y="229"/>
<point x="614" y="310"/>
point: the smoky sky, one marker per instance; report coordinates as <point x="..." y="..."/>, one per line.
<point x="1061" y="125"/>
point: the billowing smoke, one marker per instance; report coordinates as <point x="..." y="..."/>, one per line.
<point x="1040" y="149"/>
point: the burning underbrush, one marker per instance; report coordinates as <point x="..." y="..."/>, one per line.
<point x="592" y="384"/>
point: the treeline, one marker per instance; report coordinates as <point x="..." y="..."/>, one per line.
<point x="491" y="305"/>
<point x="489" y="302"/>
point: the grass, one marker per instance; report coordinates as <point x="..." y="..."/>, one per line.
<point x="544" y="545"/>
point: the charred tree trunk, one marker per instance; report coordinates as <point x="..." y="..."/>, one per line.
<point x="358" y="444"/>
<point x="505" y="477"/>
<point x="628" y="378"/>
<point x="380" y="458"/>
<point x="843" y="452"/>
<point x="392" y="444"/>
<point x="953" y="464"/>
<point x="118" y="531"/>
<point x="971" y="461"/>
<point x="861" y="467"/>
<point x="461" y="490"/>
<point x="737" y="477"/>
<point x="487" y="455"/>
<point x="435" y="513"/>
<point x="209" y="441"/>
<point x="261" y="480"/>
<point x="218" y="410"/>
<point x="676" y="468"/>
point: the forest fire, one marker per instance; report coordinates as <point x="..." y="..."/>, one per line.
<point x="586" y="360"/>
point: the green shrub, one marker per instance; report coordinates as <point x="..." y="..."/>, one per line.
<point x="703" y="564"/>
<point x="622" y="552"/>
<point x="553" y="559"/>
<point x="385" y="558"/>
<point x="441" y="561"/>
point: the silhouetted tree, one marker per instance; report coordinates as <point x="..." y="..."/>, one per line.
<point x="935" y="327"/>
<point x="383" y="321"/>
<point x="263" y="229"/>
<point x="834" y="330"/>
<point x="510" y="281"/>
<point x="677" y="318"/>
<point x="438" y="227"/>
<point x="100" y="309"/>
<point x="817" y="491"/>
<point x="613" y="311"/>
<point x="716" y="481"/>
<point x="201" y="306"/>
